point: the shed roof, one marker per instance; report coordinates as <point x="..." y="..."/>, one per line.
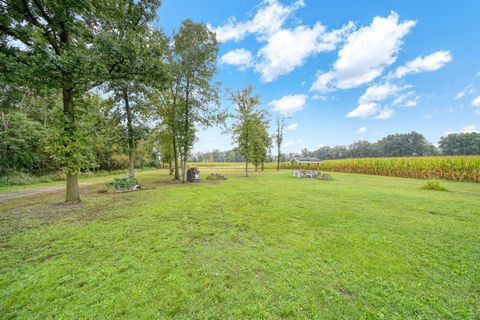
<point x="305" y="160"/>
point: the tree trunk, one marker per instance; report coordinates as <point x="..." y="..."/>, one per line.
<point x="278" y="158"/>
<point x="131" y="142"/>
<point x="175" y="156"/>
<point x="246" y="167"/>
<point x="262" y="165"/>
<point x="170" y="168"/>
<point x="184" y="169"/>
<point x="256" y="166"/>
<point x="72" y="194"/>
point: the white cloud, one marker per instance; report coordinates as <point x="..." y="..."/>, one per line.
<point x="293" y="143"/>
<point x="411" y="103"/>
<point x="364" y="110"/>
<point x="476" y="102"/>
<point x="292" y="127"/>
<point x="401" y="99"/>
<point x="385" y="113"/>
<point x="288" y="49"/>
<point x="319" y="97"/>
<point x="289" y="104"/>
<point x="380" y="92"/>
<point x="238" y="57"/>
<point x="428" y="63"/>
<point x="468" y="129"/>
<point x="269" y="18"/>
<point x="362" y="130"/>
<point x="467" y="90"/>
<point x="365" y="54"/>
<point x="427" y="116"/>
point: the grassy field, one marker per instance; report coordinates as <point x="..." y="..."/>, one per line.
<point x="266" y="247"/>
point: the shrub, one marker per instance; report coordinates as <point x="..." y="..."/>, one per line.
<point x="434" y="185"/>
<point x="216" y="177"/>
<point x="18" y="178"/>
<point x="122" y="183"/>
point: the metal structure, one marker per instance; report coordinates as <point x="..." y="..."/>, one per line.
<point x="299" y="164"/>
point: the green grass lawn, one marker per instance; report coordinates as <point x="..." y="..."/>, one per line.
<point x="266" y="247"/>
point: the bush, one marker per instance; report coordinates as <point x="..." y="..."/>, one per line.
<point x="18" y="178"/>
<point x="216" y="177"/>
<point x="122" y="183"/>
<point x="434" y="185"/>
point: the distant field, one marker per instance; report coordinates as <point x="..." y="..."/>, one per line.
<point x="266" y="247"/>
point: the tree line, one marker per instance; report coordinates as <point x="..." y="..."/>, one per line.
<point x="92" y="84"/>
<point x="395" y="145"/>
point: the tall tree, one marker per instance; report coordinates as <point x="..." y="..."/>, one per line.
<point x="261" y="141"/>
<point x="278" y="136"/>
<point x="57" y="45"/>
<point x="246" y="122"/>
<point x="195" y="51"/>
<point x="460" y="143"/>
<point x="135" y="56"/>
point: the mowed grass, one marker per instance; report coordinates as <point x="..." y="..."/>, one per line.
<point x="266" y="247"/>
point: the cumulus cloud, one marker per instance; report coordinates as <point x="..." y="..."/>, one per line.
<point x="428" y="63"/>
<point x="384" y="114"/>
<point x="238" y="57"/>
<point x="292" y="127"/>
<point x="364" y="110"/>
<point x="288" y="49"/>
<point x="292" y="143"/>
<point x="476" y="102"/>
<point x="365" y="54"/>
<point x="269" y="18"/>
<point x="402" y="98"/>
<point x="285" y="49"/>
<point x="289" y="104"/>
<point x="362" y="130"/>
<point x="380" y="92"/>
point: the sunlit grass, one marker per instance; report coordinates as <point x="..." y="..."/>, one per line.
<point x="266" y="247"/>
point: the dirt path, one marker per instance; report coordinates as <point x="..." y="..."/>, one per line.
<point x="5" y="196"/>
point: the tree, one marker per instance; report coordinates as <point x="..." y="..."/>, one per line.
<point x="407" y="144"/>
<point x="460" y="143"/>
<point x="246" y="122"/>
<point x="194" y="59"/>
<point x="20" y="142"/>
<point x="279" y="138"/>
<point x="261" y="141"/>
<point x="52" y="44"/>
<point x="135" y="56"/>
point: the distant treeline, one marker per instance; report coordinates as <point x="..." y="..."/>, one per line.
<point x="394" y="145"/>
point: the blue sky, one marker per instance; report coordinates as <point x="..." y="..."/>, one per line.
<point x="346" y="70"/>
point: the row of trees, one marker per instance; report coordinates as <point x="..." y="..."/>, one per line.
<point x="402" y="145"/>
<point x="103" y="83"/>
<point x="91" y="84"/>
<point x="397" y="145"/>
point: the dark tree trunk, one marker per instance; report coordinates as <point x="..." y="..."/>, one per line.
<point x="72" y="192"/>
<point x="175" y="156"/>
<point x="131" y="139"/>
<point x="246" y="167"/>
<point x="262" y="165"/>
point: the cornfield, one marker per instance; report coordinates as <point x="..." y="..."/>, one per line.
<point x="458" y="168"/>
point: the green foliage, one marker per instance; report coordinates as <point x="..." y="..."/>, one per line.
<point x="460" y="143"/>
<point x="21" y="142"/>
<point x="122" y="183"/>
<point x="434" y="185"/>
